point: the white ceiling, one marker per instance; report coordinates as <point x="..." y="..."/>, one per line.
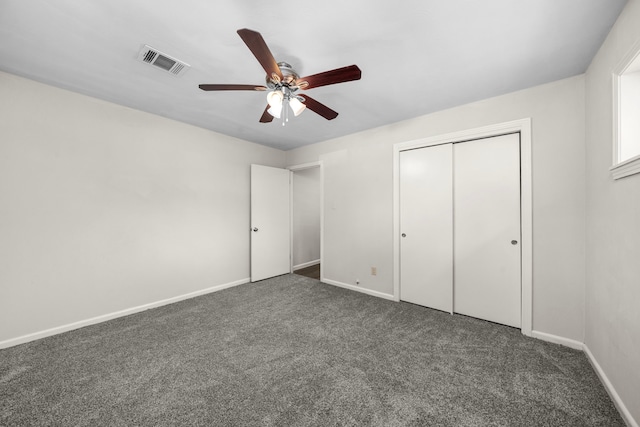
<point x="416" y="56"/>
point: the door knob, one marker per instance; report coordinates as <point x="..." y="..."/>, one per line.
<point x="514" y="242"/>
<point x="404" y="235"/>
<point x="255" y="229"/>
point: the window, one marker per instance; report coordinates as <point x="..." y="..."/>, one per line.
<point x="626" y="115"/>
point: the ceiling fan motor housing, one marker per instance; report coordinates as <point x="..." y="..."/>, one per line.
<point x="289" y="77"/>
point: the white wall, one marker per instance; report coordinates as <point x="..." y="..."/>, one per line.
<point x="306" y="216"/>
<point x="613" y="228"/>
<point x="358" y="196"/>
<point x="104" y="208"/>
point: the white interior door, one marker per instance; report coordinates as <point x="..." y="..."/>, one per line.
<point x="426" y="224"/>
<point x="487" y="229"/>
<point x="270" y="222"/>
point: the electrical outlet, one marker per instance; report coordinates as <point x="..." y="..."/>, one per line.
<point x="374" y="271"/>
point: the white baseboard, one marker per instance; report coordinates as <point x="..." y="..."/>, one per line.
<point x="567" y="342"/>
<point x="615" y="397"/>
<point x="357" y="289"/>
<point x="622" y="409"/>
<point x="103" y="318"/>
<point x="306" y="264"/>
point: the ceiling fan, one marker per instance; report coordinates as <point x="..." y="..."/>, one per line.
<point x="283" y="83"/>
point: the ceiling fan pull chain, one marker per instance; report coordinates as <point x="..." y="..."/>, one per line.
<point x="285" y="110"/>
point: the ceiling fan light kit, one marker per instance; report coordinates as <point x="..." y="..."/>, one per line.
<point x="282" y="83"/>
<point x="283" y="93"/>
<point x="297" y="106"/>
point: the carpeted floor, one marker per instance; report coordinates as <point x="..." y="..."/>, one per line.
<point x="291" y="351"/>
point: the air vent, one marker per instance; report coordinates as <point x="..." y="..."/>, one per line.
<point x="163" y="61"/>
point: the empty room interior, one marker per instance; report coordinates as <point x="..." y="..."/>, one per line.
<point x="456" y="186"/>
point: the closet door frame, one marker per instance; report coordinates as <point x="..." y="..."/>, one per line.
<point x="523" y="127"/>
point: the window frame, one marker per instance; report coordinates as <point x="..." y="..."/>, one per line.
<point x="631" y="166"/>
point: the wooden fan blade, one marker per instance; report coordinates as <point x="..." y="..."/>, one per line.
<point x="319" y="108"/>
<point x="266" y="117"/>
<point x="260" y="50"/>
<point x="231" y="87"/>
<point x="339" y="75"/>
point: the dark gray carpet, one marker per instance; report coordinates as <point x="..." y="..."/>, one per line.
<point x="291" y="351"/>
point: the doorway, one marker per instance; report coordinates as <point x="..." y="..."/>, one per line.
<point x="273" y="233"/>
<point x="306" y="220"/>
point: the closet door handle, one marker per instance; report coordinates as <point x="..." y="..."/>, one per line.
<point x="514" y="242"/>
<point x="404" y="235"/>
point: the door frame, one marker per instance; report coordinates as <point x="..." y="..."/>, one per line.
<point x="522" y="126"/>
<point x="293" y="169"/>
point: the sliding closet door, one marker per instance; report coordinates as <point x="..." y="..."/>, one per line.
<point x="487" y="229"/>
<point x="426" y="224"/>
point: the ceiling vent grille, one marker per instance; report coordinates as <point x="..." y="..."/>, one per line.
<point x="163" y="61"/>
